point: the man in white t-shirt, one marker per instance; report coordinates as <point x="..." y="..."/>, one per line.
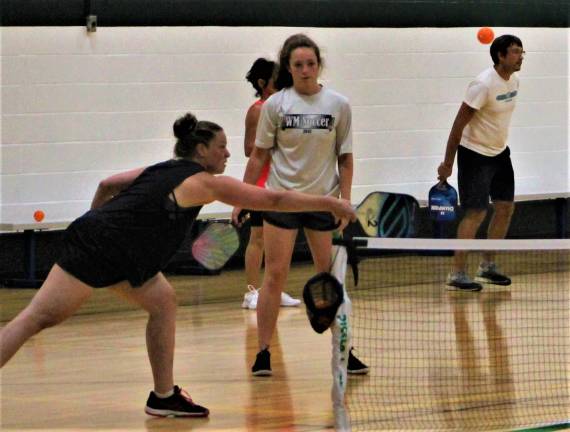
<point x="479" y="137"/>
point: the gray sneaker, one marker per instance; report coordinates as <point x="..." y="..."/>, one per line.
<point x="459" y="281"/>
<point x="489" y="273"/>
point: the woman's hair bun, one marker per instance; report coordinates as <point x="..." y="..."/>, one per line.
<point x="185" y="125"/>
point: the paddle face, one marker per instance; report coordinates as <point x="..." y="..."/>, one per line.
<point x="386" y="214"/>
<point x="215" y="245"/>
<point x="443" y="202"/>
<point x="323" y="295"/>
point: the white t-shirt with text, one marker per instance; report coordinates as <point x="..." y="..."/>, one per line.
<point x="494" y="99"/>
<point x="305" y="135"/>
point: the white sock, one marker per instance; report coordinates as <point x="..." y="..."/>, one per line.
<point x="164" y="395"/>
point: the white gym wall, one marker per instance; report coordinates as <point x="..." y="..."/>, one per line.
<point x="77" y="107"/>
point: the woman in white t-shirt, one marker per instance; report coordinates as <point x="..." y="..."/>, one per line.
<point x="305" y="129"/>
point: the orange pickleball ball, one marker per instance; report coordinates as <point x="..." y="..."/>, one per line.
<point x="39" y="215"/>
<point x="485" y="35"/>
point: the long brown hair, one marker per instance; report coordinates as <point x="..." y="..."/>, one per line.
<point x="299" y="40"/>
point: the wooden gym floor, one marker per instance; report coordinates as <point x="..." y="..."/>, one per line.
<point x="91" y="372"/>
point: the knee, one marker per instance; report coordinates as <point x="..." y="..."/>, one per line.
<point x="475" y="216"/>
<point x="256" y="239"/>
<point x="504" y="210"/>
<point x="255" y="243"/>
<point x="275" y="279"/>
<point x="170" y="301"/>
<point x="44" y="319"/>
<point x="166" y="304"/>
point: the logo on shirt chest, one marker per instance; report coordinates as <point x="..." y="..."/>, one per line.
<point x="506" y="97"/>
<point x="307" y="122"/>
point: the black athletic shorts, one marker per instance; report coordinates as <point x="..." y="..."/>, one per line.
<point x="481" y="177"/>
<point x="317" y="221"/>
<point x="91" y="254"/>
<point x="255" y="218"/>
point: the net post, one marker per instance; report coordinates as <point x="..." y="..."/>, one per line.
<point x="341" y="343"/>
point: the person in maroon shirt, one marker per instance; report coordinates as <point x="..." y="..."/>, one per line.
<point x="261" y="77"/>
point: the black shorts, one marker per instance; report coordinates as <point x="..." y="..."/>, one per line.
<point x="90" y="253"/>
<point x="89" y="268"/>
<point x="317" y="221"/>
<point x="481" y="177"/>
<point x="255" y="218"/>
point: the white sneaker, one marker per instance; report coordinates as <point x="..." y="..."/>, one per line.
<point x="250" y="298"/>
<point x="287" y="300"/>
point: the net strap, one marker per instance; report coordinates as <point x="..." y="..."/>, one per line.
<point x="455" y="244"/>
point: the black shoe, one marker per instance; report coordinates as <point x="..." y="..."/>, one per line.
<point x="459" y="281"/>
<point x="490" y="274"/>
<point x="178" y="405"/>
<point x="355" y="366"/>
<point x="262" y="365"/>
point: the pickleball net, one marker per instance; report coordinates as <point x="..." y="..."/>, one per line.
<point x="441" y="359"/>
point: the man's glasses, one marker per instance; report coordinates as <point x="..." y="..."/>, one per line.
<point x="517" y="51"/>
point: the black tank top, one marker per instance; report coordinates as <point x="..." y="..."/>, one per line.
<point x="141" y="228"/>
